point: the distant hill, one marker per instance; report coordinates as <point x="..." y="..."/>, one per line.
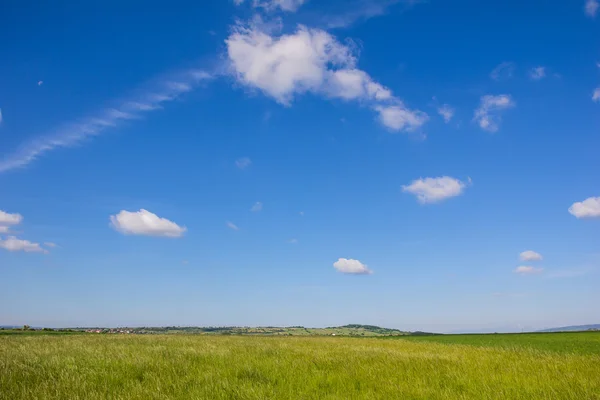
<point x="346" y="330"/>
<point x="574" y="328"/>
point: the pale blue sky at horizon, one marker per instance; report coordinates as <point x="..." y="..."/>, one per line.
<point x="421" y="165"/>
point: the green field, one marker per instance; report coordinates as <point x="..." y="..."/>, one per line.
<point x="563" y="342"/>
<point x="96" y="366"/>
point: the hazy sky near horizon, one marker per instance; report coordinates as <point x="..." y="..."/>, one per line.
<point x="422" y="165"/>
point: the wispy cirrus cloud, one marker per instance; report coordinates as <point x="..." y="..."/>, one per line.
<point x="243" y="163"/>
<point x="355" y="11"/>
<point x="591" y="8"/>
<point x="257" y="207"/>
<point x="232" y="226"/>
<point x="273" y="5"/>
<point x="74" y="133"/>
<point x="503" y="71"/>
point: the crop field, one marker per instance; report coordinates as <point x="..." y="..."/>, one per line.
<point x="98" y="366"/>
<point x="563" y="342"/>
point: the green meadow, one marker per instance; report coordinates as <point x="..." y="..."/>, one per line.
<point x="184" y="366"/>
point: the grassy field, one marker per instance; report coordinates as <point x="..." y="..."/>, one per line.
<point x="563" y="342"/>
<point x="95" y="366"/>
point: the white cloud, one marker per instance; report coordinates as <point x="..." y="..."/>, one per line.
<point x="488" y="113"/>
<point x="285" y="5"/>
<point x="243" y="163"/>
<point x="503" y="71"/>
<point x="272" y="5"/>
<point x="446" y="112"/>
<point x="311" y="60"/>
<point x="589" y="208"/>
<point x="399" y="118"/>
<point x="596" y="94"/>
<point x="527" y="270"/>
<point x="359" y="10"/>
<point x="50" y="244"/>
<point x="530" y="255"/>
<point x="283" y="66"/>
<point x="591" y="7"/>
<point x="75" y="132"/>
<point x="257" y="207"/>
<point x="4" y="229"/>
<point x="40" y="83"/>
<point x="349" y="266"/>
<point x="537" y="73"/>
<point x="432" y="190"/>
<point x="145" y="223"/>
<point x="233" y="226"/>
<point x="0" y="115"/>
<point x="10" y="219"/>
<point x="11" y="243"/>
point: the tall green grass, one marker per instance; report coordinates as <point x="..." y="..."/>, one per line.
<point x="238" y="367"/>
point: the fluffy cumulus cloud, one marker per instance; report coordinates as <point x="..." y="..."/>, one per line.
<point x="530" y="255"/>
<point x="490" y="108"/>
<point x="446" y="112"/>
<point x="432" y="190"/>
<point x="591" y="7"/>
<point x="596" y="95"/>
<point x="399" y="118"/>
<point x="145" y="223"/>
<point x="527" y="270"/>
<point x="311" y="60"/>
<point x="11" y="243"/>
<point x="589" y="208"/>
<point x="350" y="266"/>
<point x="537" y="73"/>
<point x="7" y="219"/>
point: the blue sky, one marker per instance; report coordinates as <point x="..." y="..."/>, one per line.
<point x="428" y="165"/>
